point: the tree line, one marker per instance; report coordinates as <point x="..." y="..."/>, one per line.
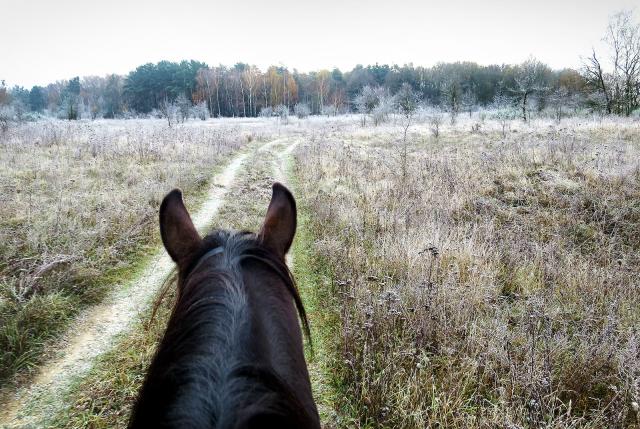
<point x="243" y="90"/>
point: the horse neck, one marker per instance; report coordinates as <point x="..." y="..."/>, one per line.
<point x="275" y="323"/>
<point x="220" y="324"/>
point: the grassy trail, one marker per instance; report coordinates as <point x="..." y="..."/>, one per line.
<point x="95" y="378"/>
<point x="311" y="283"/>
<point x="93" y="333"/>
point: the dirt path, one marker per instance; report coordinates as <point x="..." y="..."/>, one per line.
<point x="316" y="372"/>
<point x="93" y="333"/>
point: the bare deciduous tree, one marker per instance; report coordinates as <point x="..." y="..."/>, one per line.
<point x="558" y="99"/>
<point x="435" y="120"/>
<point x="168" y="110"/>
<point x="452" y="98"/>
<point x="623" y="37"/>
<point x="469" y="100"/>
<point x="250" y="77"/>
<point x="322" y="85"/>
<point x="595" y="77"/>
<point x="504" y="112"/>
<point x="406" y="103"/>
<point x="183" y="105"/>
<point x="367" y="101"/>
<point x="282" y="112"/>
<point x="528" y="82"/>
<point x="620" y="88"/>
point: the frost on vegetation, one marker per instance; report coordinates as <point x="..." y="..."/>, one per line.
<point x="83" y="201"/>
<point x="301" y="110"/>
<point x="266" y="112"/>
<point x="500" y="271"/>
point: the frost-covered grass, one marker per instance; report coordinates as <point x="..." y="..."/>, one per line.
<point x="78" y="208"/>
<point x="496" y="284"/>
<point x="105" y="397"/>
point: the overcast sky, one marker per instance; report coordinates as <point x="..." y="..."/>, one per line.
<point x="43" y="41"/>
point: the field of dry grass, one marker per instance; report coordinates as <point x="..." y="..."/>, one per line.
<point x="495" y="284"/>
<point x="78" y="206"/>
<point x="488" y="277"/>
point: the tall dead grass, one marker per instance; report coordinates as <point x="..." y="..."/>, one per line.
<point x="497" y="284"/>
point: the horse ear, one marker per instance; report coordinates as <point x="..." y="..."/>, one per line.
<point x="179" y="236"/>
<point x="279" y="225"/>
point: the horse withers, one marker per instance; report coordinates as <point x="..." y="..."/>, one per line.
<point x="232" y="354"/>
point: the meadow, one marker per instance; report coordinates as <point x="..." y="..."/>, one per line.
<point x="79" y="205"/>
<point x="481" y="280"/>
<point x="482" y="274"/>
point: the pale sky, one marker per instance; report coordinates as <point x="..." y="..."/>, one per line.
<point x="43" y="41"/>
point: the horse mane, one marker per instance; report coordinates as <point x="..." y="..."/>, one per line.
<point x="211" y="309"/>
<point x="241" y="246"/>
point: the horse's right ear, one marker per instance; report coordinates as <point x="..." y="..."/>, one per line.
<point x="279" y="225"/>
<point x="179" y="236"/>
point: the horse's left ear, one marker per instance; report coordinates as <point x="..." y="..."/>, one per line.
<point x="279" y="225"/>
<point x="179" y="236"/>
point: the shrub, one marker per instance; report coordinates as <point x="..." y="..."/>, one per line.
<point x="301" y="110"/>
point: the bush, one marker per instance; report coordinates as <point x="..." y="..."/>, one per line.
<point x="435" y="120"/>
<point x="200" y="111"/>
<point x="381" y="112"/>
<point x="282" y="112"/>
<point x="7" y="115"/>
<point x="183" y="105"/>
<point x="301" y="110"/>
<point x="266" y="112"/>
<point x="406" y="100"/>
<point x="329" y="110"/>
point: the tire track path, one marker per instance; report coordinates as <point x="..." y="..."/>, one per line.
<point x="281" y="158"/>
<point x="95" y="330"/>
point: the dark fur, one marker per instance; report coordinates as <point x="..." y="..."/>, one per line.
<point x="231" y="356"/>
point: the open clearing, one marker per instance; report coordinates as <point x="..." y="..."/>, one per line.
<point x="487" y="277"/>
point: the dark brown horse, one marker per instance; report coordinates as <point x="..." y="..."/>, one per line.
<point x="232" y="354"/>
